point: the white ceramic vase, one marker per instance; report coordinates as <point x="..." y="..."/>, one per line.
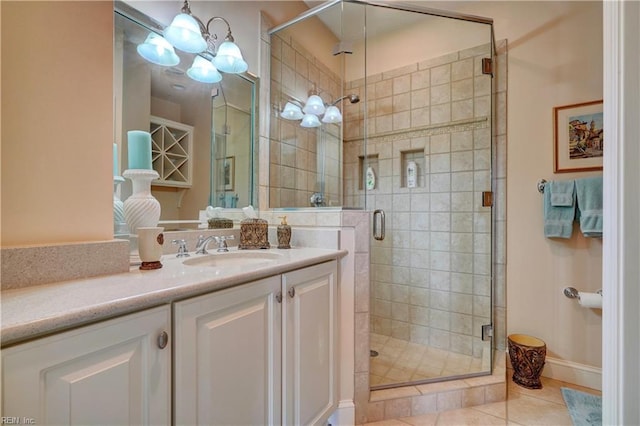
<point x="141" y="209"/>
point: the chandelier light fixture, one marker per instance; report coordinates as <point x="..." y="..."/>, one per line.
<point x="190" y="34"/>
<point x="313" y="108"/>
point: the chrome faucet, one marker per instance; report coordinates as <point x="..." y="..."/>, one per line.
<point x="221" y="240"/>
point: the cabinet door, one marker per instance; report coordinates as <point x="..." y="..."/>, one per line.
<point x="310" y="321"/>
<point x="113" y="372"/>
<point x="227" y="356"/>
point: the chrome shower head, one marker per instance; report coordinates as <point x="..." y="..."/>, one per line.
<point x="353" y="98"/>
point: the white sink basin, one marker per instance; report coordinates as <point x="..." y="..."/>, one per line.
<point x="234" y="258"/>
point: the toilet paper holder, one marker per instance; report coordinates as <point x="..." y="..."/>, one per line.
<point x="572" y="293"/>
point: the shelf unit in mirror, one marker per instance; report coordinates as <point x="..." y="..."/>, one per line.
<point x="172" y="152"/>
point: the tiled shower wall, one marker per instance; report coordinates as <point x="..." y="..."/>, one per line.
<point x="302" y="161"/>
<point x="431" y="276"/>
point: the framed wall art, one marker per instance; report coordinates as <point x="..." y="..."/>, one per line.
<point x="227" y="173"/>
<point x="578" y="137"/>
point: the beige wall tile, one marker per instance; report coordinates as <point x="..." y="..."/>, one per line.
<point x="462" y="110"/>
<point x="423" y="404"/>
<point x="440" y="94"/>
<point x="462" y="69"/>
<point x="397" y="408"/>
<point x="449" y="400"/>
<point x="440" y="113"/>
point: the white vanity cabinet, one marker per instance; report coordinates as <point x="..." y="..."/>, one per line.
<point x="310" y="339"/>
<point x="117" y="372"/>
<point x="263" y="353"/>
<point x="227" y="356"/>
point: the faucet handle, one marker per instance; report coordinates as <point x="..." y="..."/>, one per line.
<point x="222" y="242"/>
<point x="182" y="248"/>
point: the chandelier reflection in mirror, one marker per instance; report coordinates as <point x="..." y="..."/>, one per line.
<point x="189" y="34"/>
<point x="313" y="108"/>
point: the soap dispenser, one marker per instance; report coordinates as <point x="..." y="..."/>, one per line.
<point x="284" y="234"/>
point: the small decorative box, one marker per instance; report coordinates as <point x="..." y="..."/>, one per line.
<point x="218" y="222"/>
<point x="254" y="234"/>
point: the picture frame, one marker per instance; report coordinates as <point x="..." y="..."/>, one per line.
<point x="578" y="137"/>
<point x="228" y="173"/>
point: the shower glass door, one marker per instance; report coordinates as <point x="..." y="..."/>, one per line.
<point x="426" y="135"/>
<point x="425" y="103"/>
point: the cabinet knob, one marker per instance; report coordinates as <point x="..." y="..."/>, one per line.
<point x="163" y="339"/>
<point x="292" y="292"/>
<point x="279" y="297"/>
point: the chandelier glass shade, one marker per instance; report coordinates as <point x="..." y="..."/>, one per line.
<point x="157" y="50"/>
<point x="203" y="71"/>
<point x="229" y="58"/>
<point x="310" y="120"/>
<point x="332" y="115"/>
<point x="291" y="111"/>
<point x="184" y="34"/>
<point x="314" y="105"/>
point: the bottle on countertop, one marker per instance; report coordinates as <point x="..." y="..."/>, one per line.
<point x="284" y="234"/>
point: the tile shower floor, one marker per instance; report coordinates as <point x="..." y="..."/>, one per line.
<point x="523" y="407"/>
<point x="400" y="361"/>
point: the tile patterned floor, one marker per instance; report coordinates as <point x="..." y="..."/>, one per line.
<point x="400" y="361"/>
<point x="523" y="407"/>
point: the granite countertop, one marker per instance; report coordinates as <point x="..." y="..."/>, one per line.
<point x="40" y="310"/>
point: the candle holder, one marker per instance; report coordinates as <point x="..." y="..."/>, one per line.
<point x="119" y="222"/>
<point x="141" y="209"/>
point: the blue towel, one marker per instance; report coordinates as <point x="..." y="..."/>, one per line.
<point x="231" y="201"/>
<point x="228" y="200"/>
<point x="589" y="196"/>
<point x="563" y="193"/>
<point x="558" y="221"/>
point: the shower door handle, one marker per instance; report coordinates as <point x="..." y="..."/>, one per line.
<point x="378" y="235"/>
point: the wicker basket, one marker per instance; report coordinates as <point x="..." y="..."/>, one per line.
<point x="254" y="234"/>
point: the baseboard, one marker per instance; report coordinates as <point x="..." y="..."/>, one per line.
<point x="573" y="372"/>
<point x="345" y="414"/>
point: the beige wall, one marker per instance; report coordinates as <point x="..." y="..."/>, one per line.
<point x="57" y="116"/>
<point x="555" y="58"/>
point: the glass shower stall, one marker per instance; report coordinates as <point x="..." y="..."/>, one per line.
<point x="416" y="151"/>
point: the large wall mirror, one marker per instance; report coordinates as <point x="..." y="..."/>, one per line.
<point x="202" y="133"/>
